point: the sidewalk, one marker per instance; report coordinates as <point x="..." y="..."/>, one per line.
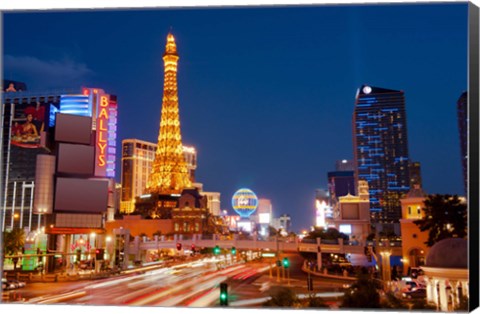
<point x="72" y="275"/>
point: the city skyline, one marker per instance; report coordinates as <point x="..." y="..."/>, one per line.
<point x="263" y="149"/>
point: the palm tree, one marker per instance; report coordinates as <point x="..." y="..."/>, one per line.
<point x="445" y="217"/>
<point x="13" y="243"/>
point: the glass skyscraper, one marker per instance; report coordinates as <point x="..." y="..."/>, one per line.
<point x="381" y="149"/>
<point x="463" y="131"/>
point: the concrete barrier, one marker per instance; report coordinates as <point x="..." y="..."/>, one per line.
<point x="317" y="274"/>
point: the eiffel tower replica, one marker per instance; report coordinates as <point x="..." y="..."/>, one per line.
<point x="169" y="171"/>
<point x="169" y="176"/>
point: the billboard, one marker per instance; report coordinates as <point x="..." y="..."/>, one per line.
<point x="28" y="122"/>
<point x="70" y="195"/>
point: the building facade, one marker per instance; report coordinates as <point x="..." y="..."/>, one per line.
<point x="381" y="150"/>
<point x="137" y="161"/>
<point x="58" y="147"/>
<point x="340" y="183"/>
<point x="345" y="165"/>
<point x="414" y="248"/>
<point x="415" y="174"/>
<point x="137" y="158"/>
<point x="353" y="214"/>
<point x="28" y="120"/>
<point x="462" y="117"/>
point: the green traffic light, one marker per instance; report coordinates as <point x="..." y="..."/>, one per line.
<point x="286" y="262"/>
<point x="223" y="296"/>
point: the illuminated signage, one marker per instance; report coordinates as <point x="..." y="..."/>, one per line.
<point x="106" y="130"/>
<point x="264" y="218"/>
<point x="347" y="229"/>
<point x="102" y="121"/>
<point x="321" y="210"/>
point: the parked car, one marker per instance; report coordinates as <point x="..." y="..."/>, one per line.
<point x="415" y="272"/>
<point x="18" y="284"/>
<point x="410" y="285"/>
<point x="8" y="284"/>
<point x="420" y="293"/>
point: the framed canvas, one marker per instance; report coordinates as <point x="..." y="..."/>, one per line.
<point x="300" y="156"/>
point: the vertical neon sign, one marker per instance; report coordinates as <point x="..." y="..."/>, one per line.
<point x="101" y="143"/>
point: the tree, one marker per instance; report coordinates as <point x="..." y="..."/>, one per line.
<point x="392" y="302"/>
<point x="445" y="217"/>
<point x="13" y="243"/>
<point x="282" y="297"/>
<point x="362" y="294"/>
<point x="272" y="231"/>
<point x="328" y="234"/>
<point x="316" y="303"/>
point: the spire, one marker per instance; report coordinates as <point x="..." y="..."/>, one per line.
<point x="171" y="47"/>
<point x="169" y="169"/>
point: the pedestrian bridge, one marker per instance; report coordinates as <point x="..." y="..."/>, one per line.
<point x="339" y="246"/>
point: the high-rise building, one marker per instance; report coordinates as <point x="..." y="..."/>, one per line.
<point x="169" y="170"/>
<point x="28" y="117"/>
<point x="213" y="202"/>
<point x="462" y="116"/>
<point x="264" y="211"/>
<point x="340" y="183"/>
<point x="345" y="165"/>
<point x="381" y="150"/>
<point x="415" y="174"/>
<point x="137" y="161"/>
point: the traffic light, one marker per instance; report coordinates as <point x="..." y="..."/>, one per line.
<point x="179" y="246"/>
<point x="99" y="254"/>
<point x="216" y="250"/>
<point x="279" y="263"/>
<point x="234" y="250"/>
<point x="223" y="294"/>
<point x="193" y="247"/>
<point x="286" y="262"/>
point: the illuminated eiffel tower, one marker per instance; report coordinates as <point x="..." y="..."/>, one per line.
<point x="169" y="170"/>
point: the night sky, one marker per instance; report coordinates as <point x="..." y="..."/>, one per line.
<point x="266" y="94"/>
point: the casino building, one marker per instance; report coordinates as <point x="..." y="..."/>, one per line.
<point x="56" y="148"/>
<point x="137" y="161"/>
<point x="169" y="192"/>
<point x="381" y="152"/>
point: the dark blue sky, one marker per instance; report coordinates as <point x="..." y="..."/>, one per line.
<point x="266" y="94"/>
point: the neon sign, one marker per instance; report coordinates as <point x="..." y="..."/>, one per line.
<point x="106" y="127"/>
<point x="102" y="122"/>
